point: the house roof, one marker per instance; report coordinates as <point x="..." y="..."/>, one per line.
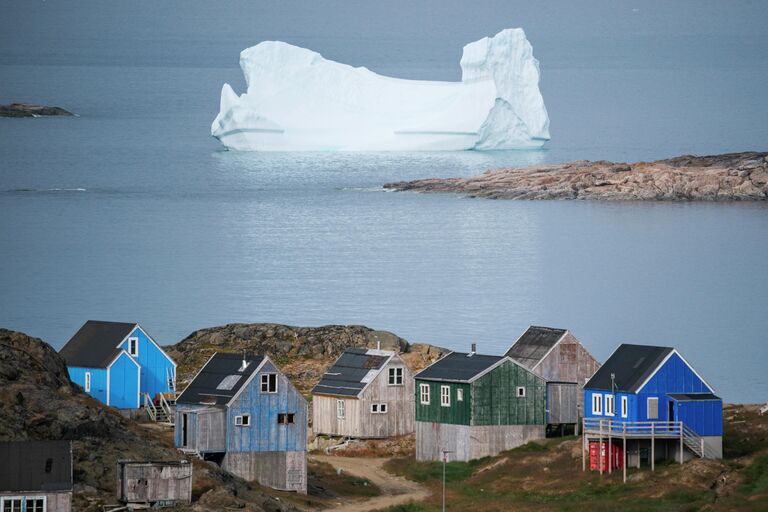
<point x="534" y="344"/>
<point x="220" y="379"/>
<point x="35" y="466"/>
<point x="352" y="371"/>
<point x="95" y="344"/>
<point x="631" y="365"/>
<point x="691" y="397"/>
<point x="458" y="367"/>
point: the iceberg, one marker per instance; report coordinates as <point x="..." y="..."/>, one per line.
<point x="296" y="100"/>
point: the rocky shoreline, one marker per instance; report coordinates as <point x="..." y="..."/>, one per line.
<point x="726" y="177"/>
<point x="31" y="110"/>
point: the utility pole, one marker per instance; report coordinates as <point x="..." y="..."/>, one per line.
<point x="445" y="459"/>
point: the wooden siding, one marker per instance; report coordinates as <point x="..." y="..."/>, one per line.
<point x="458" y="413"/>
<point x="285" y="470"/>
<point x="568" y="361"/>
<point x="60" y="501"/>
<point x="124" y="383"/>
<point x="358" y="419"/>
<point x="206" y="428"/>
<point x="140" y="482"/>
<point x="469" y="442"/>
<point x="155" y="365"/>
<point x="495" y="402"/>
<point x="562" y="399"/>
<point x="98" y="381"/>
<point x="264" y="434"/>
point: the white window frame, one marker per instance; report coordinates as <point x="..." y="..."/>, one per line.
<point x="383" y="408"/>
<point x="445" y="396"/>
<point x="624" y="406"/>
<point x="341" y="409"/>
<point x="27" y="499"/>
<point x="380" y="408"/>
<point x="459" y="395"/>
<point x="648" y="407"/>
<point x="265" y="383"/>
<point x="5" y="499"/>
<point x="597" y="404"/>
<point x="374" y="408"/>
<point x="396" y="376"/>
<point x="87" y="384"/>
<point x="424" y="394"/>
<point x="520" y="392"/>
<point x="243" y="420"/>
<point x="610" y="400"/>
<point x="133" y="353"/>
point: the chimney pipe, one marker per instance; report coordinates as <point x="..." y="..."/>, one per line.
<point x="474" y="349"/>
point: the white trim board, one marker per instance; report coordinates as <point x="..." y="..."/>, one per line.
<point x="139" y="327"/>
<point x="663" y="362"/>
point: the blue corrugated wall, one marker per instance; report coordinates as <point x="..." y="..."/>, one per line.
<point x="155" y="365"/>
<point x="124" y="383"/>
<point x="705" y="417"/>
<point x="264" y="434"/>
<point x="675" y="377"/>
<point x="98" y="381"/>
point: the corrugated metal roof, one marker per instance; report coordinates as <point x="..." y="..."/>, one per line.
<point x="35" y="466"/>
<point x="458" y="367"/>
<point x="352" y="371"/>
<point x="691" y="397"/>
<point x="534" y="344"/>
<point x="207" y="388"/>
<point x="631" y="365"/>
<point x="94" y="345"/>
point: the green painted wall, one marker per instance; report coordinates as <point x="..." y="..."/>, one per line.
<point x="495" y="400"/>
<point x="458" y="413"/>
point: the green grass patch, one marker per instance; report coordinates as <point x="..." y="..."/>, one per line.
<point x="756" y="476"/>
<point x="424" y="471"/>
<point x="408" y="507"/>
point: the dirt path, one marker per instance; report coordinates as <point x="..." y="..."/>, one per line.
<point x="395" y="490"/>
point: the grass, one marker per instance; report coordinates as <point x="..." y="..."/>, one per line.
<point x="323" y="476"/>
<point x="756" y="476"/>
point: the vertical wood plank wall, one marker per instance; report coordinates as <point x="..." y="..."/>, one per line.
<point x="569" y="361"/>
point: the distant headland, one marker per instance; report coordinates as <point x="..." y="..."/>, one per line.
<point x="31" y="110"/>
<point x="726" y="177"/>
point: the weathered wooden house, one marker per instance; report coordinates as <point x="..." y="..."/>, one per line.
<point x="367" y="393"/>
<point x="556" y="356"/>
<point x="653" y="402"/>
<point x="154" y="484"/>
<point x="243" y="413"/>
<point x="475" y="406"/>
<point x="118" y="363"/>
<point x="36" y="476"/>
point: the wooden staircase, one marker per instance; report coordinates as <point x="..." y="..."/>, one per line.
<point x="165" y="414"/>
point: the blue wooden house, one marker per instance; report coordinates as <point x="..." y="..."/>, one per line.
<point x="243" y="413"/>
<point x="118" y="363"/>
<point x="652" y="397"/>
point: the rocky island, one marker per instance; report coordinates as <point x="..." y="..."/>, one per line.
<point x="31" y="110"/>
<point x="727" y="177"/>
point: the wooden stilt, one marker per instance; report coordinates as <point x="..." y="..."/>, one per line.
<point x="653" y="447"/>
<point x="600" y="448"/>
<point x="584" y="447"/>
<point x="681" y="443"/>
<point x="624" y="462"/>
<point x="610" y="447"/>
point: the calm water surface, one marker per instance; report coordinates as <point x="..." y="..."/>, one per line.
<point x="132" y="212"/>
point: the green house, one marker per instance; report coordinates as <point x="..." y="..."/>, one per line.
<point x="474" y="406"/>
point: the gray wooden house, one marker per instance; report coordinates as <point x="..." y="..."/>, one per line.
<point x="36" y="476"/>
<point x="475" y="406"/>
<point x="559" y="358"/>
<point x="155" y="484"/>
<point x="367" y="393"/>
<point x="243" y="413"/>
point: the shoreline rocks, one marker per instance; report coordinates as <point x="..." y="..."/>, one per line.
<point x="726" y="177"/>
<point x="31" y="110"/>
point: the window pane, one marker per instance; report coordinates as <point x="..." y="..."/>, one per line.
<point x="291" y="417"/>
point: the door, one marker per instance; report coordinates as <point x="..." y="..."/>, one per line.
<point x="671" y="411"/>
<point x="184" y="423"/>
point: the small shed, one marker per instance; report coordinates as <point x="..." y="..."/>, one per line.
<point x="154" y="483"/>
<point x="36" y="476"/>
<point x="367" y="393"/>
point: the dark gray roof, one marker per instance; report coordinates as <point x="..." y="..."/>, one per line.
<point x="95" y="344"/>
<point x="534" y="344"/>
<point x="631" y="365"/>
<point x="209" y="386"/>
<point x="352" y="371"/>
<point x="458" y="367"/>
<point x="35" y="466"/>
<point x="690" y="397"/>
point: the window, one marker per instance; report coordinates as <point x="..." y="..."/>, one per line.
<point x="11" y="504"/>
<point x="243" y="420"/>
<point x="35" y="504"/>
<point x="340" y="409"/>
<point x="445" y="396"/>
<point x="87" y="384"/>
<point x="374" y="408"/>
<point x="269" y="383"/>
<point x="653" y="408"/>
<point x="133" y="346"/>
<point x="597" y="403"/>
<point x="424" y="393"/>
<point x="624" y="407"/>
<point x="382" y="408"/>
<point x="610" y="405"/>
<point x="395" y="376"/>
<point x="520" y="392"/>
<point x="378" y="408"/>
<point x="459" y="395"/>
<point x="286" y="418"/>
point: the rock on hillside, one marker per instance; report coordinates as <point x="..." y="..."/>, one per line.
<point x="38" y="401"/>
<point x="303" y="353"/>
<point x="728" y="177"/>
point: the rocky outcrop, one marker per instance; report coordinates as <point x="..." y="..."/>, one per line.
<point x="31" y="110"/>
<point x="728" y="177"/>
<point x="303" y="353"/>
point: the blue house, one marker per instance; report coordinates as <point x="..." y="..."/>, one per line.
<point x="654" y="397"/>
<point x="118" y="363"/>
<point x="243" y="413"/>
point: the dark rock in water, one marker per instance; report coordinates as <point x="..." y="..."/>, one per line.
<point x="31" y="110"/>
<point x="728" y="177"/>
